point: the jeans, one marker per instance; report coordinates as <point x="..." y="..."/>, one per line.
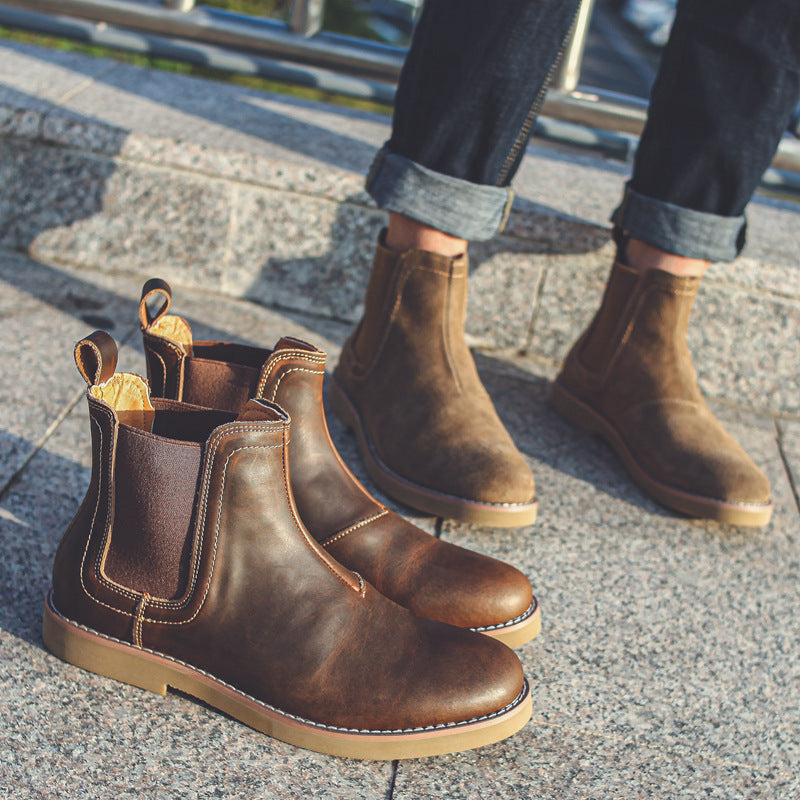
<point x="476" y="74"/>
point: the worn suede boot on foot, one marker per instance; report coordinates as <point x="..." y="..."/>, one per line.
<point x="430" y="577"/>
<point x="630" y="378"/>
<point x="406" y="384"/>
<point x="187" y="566"/>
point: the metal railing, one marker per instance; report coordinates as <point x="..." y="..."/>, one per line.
<point x="298" y="51"/>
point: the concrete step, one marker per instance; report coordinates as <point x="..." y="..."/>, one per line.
<point x="124" y="170"/>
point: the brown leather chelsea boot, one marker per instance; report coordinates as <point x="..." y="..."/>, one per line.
<point x="187" y="566"/>
<point x="406" y="384"/>
<point x="430" y="577"/>
<point x="630" y="378"/>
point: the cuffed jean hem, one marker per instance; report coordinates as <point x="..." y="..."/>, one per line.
<point x="454" y="206"/>
<point x="682" y="231"/>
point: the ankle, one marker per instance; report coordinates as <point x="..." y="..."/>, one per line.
<point x="643" y="257"/>
<point x="404" y="234"/>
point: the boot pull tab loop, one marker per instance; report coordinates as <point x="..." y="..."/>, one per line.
<point x="96" y="357"/>
<point x="153" y="289"/>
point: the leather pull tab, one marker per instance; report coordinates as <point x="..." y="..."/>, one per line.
<point x="96" y="357"/>
<point x="152" y="291"/>
<point x="290" y="343"/>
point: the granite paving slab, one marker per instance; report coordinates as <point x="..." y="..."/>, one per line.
<point x="554" y="762"/>
<point x="300" y="252"/>
<point x="504" y="279"/>
<point x="232" y="117"/>
<point x="42" y="313"/>
<point x="180" y="222"/>
<point x="36" y="78"/>
<point x="668" y="634"/>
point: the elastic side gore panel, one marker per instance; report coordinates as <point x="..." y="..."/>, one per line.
<point x="155" y="484"/>
<point x="217" y="384"/>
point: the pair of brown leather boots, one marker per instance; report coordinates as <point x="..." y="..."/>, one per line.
<point x="224" y="549"/>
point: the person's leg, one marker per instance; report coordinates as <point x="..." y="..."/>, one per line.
<point x="729" y="80"/>
<point x="406" y="381"/>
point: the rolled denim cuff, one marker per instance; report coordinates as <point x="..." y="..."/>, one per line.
<point x="682" y="231"/>
<point x="454" y="206"/>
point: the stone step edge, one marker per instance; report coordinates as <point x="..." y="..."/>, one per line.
<point x="527" y="221"/>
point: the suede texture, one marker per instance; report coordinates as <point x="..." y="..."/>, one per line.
<point x="633" y="367"/>
<point x="408" y="372"/>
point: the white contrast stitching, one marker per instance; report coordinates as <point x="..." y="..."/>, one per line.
<point x="287" y="355"/>
<point x="286" y="372"/>
<point x="354" y="527"/>
<point x="523" y="616"/>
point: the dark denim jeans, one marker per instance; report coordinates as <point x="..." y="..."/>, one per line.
<point x="474" y="79"/>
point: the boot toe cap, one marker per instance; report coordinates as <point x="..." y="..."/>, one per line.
<point x="684" y="445"/>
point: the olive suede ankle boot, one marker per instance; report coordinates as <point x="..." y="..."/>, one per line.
<point x="407" y="385"/>
<point x="187" y="566"/>
<point x="430" y="577"/>
<point x="630" y="378"/>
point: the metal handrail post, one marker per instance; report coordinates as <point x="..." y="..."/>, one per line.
<point x="305" y="17"/>
<point x="569" y="70"/>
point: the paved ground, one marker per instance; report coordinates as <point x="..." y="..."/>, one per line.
<point x="668" y="663"/>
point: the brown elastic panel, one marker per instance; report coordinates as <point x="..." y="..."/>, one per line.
<point x="187" y="424"/>
<point x="218" y="384"/>
<point x="244" y="354"/>
<point x="155" y="485"/>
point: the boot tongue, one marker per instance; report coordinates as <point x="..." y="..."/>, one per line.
<point x="262" y="411"/>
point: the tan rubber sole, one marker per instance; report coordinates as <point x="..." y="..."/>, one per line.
<point x="496" y="515"/>
<point x="586" y="418"/>
<point x="517" y="634"/>
<point x="155" y="672"/>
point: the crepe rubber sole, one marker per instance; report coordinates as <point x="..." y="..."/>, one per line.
<point x="156" y="672"/>
<point x="586" y="418"/>
<point x="518" y="631"/>
<point x="439" y="504"/>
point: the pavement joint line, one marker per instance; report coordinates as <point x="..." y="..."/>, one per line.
<point x="6" y="488"/>
<point x="668" y="752"/>
<point x="84" y="84"/>
<point x="392" y="780"/>
<point x="787" y="467"/>
<point x="39" y="444"/>
<point x="536" y="307"/>
<point x="231" y="229"/>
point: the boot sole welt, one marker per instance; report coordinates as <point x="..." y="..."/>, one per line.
<point x="496" y="515"/>
<point x="583" y="416"/>
<point x="155" y="672"/>
<point x="514" y="634"/>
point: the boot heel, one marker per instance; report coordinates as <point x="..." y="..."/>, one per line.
<point x="105" y="657"/>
